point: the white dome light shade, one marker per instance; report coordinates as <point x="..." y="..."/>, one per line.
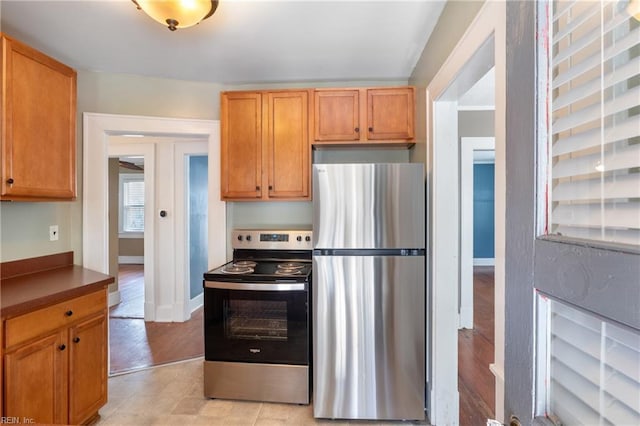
<point x="178" y="13"/>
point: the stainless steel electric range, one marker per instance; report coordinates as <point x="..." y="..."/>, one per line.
<point x="257" y="319"/>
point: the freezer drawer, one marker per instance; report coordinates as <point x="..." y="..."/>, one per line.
<point x="369" y="337"/>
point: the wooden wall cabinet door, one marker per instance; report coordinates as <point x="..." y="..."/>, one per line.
<point x="288" y="150"/>
<point x="390" y="113"/>
<point x="265" y="150"/>
<point x="38" y="125"/>
<point x="241" y="145"/>
<point x="365" y="116"/>
<point x="87" y="368"/>
<point x="337" y="115"/>
<point x="36" y="380"/>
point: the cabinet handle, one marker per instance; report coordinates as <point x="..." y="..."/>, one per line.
<point x="69" y="313"/>
<point x="357" y="129"/>
<point x="371" y="129"/>
<point x="62" y="347"/>
<point x="76" y="339"/>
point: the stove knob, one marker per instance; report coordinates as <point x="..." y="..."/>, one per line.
<point x="307" y="238"/>
<point x="239" y="237"/>
<point x="248" y="237"/>
<point x="299" y="238"/>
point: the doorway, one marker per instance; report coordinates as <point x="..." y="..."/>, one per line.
<point x="167" y="213"/>
<point x="481" y="48"/>
<point x="174" y="295"/>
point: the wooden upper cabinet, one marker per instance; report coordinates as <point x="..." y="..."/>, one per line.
<point x="378" y="116"/>
<point x="390" y="113"/>
<point x="38" y="125"/>
<point x="241" y="150"/>
<point x="287" y="135"/>
<point x="266" y="153"/>
<point x="337" y="115"/>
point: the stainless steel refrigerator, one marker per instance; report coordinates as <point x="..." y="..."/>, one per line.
<point x="369" y="291"/>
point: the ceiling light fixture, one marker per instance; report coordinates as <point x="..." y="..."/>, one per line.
<point x="178" y="13"/>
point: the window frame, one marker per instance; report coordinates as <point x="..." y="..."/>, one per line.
<point x="123" y="179"/>
<point x="544" y="142"/>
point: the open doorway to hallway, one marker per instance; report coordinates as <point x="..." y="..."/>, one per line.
<point x="137" y="341"/>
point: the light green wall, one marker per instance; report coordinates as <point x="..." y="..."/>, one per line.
<point x="24" y="227"/>
<point x="456" y="17"/>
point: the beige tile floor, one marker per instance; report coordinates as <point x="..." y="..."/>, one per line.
<point x="173" y="395"/>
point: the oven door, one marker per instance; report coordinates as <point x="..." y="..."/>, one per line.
<point x="256" y="322"/>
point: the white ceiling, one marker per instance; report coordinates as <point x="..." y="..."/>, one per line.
<point x="245" y="41"/>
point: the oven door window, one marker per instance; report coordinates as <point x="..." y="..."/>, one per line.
<point x="256" y="326"/>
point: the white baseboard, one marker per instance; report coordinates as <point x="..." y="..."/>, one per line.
<point x="484" y="261"/>
<point x="196" y="302"/>
<point x="114" y="298"/>
<point x="131" y="260"/>
<point x="164" y="313"/>
<point x="149" y="311"/>
<point x="466" y="318"/>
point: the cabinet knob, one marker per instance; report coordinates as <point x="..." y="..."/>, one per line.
<point x="163" y="213"/>
<point x="69" y="313"/>
<point x="357" y="129"/>
<point x="76" y="339"/>
<point x="10" y="181"/>
<point x="371" y="129"/>
<point x="257" y="188"/>
<point x="62" y="347"/>
<point x="270" y="187"/>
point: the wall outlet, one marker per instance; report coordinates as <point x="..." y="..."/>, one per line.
<point x="53" y="233"/>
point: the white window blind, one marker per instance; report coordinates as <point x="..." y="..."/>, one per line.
<point x="595" y="122"/>
<point x="593" y="369"/>
<point x="132" y="203"/>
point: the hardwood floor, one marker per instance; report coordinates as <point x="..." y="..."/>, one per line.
<point x="136" y="344"/>
<point x="476" y="383"/>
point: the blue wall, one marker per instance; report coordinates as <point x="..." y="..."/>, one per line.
<point x="198" y="247"/>
<point x="483" y="206"/>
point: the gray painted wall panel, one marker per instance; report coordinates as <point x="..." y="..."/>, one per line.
<point x="604" y="282"/>
<point x="520" y="214"/>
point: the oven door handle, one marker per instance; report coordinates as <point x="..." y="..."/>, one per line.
<point x="255" y="286"/>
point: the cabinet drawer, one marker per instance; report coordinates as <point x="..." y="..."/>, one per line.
<point x="27" y="326"/>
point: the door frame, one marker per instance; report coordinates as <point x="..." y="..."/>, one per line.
<point x="485" y="36"/>
<point x="95" y="207"/>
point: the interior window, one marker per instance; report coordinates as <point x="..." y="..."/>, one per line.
<point x="594" y="110"/>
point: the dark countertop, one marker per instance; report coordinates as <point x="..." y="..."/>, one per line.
<point x="30" y="291"/>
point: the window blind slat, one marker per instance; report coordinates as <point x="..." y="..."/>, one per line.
<point x="562" y="8"/>
<point x="593" y="86"/>
<point x="624" y="129"/>
<point x="623" y="215"/>
<point x="576" y="22"/>
<point x="625" y="236"/>
<point x="623" y="102"/>
<point x="577" y="69"/>
<point x="622" y="158"/>
<point x="625" y="186"/>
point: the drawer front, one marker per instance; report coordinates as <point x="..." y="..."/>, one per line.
<point x="25" y="327"/>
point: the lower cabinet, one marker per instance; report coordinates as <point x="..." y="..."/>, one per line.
<point x="60" y="376"/>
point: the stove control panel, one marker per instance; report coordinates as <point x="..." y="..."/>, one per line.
<point x="269" y="239"/>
